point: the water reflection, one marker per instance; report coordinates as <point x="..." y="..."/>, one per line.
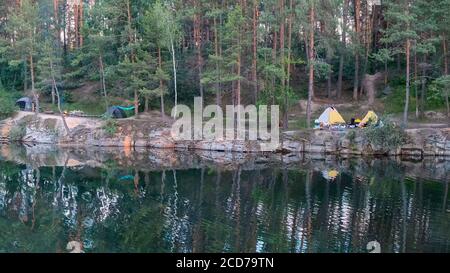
<point x="156" y="201"/>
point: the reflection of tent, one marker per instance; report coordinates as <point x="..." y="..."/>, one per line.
<point x="370" y="118"/>
<point x="330" y="175"/>
<point x="115" y="112"/>
<point x="25" y="103"/>
<point x="330" y="117"/>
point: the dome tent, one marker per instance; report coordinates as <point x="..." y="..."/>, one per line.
<point x="25" y="104"/>
<point x="369" y="119"/>
<point x="115" y="112"/>
<point x="331" y="117"/>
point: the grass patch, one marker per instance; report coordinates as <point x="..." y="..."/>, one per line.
<point x="394" y="103"/>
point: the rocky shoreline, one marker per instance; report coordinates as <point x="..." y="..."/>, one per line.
<point x="155" y="133"/>
<point x="144" y="159"/>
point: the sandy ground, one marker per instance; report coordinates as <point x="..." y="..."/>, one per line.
<point x="72" y="122"/>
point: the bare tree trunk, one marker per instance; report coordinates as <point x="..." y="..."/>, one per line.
<point x="52" y="72"/>
<point x="64" y="28"/>
<point x="217" y="53"/>
<point x="366" y="41"/>
<point x="198" y="46"/>
<point x="81" y="23"/>
<point x="75" y="16"/>
<point x="423" y="87"/>
<point x="130" y="35"/>
<point x="274" y="60"/>
<point x="161" y="84"/>
<point x="444" y="44"/>
<point x="311" y="64"/>
<point x="53" y="96"/>
<point x="344" y="42"/>
<point x="33" y="90"/>
<point x="405" y="113"/>
<point x="415" y="84"/>
<point x="385" y="74"/>
<point x="238" y="84"/>
<point x="174" y="67"/>
<point x="282" y="61"/>
<point x="290" y="18"/>
<point x="255" y="50"/>
<point x="102" y="75"/>
<point x="357" y="30"/>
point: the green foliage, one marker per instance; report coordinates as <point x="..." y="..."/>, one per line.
<point x="435" y="95"/>
<point x="394" y="102"/>
<point x="351" y="136"/>
<point x="110" y="126"/>
<point x="388" y="135"/>
<point x="18" y="131"/>
<point x="383" y="56"/>
<point x="7" y="102"/>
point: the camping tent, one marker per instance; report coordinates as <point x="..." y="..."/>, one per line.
<point x="330" y="175"/>
<point x="370" y="118"/>
<point x="330" y="117"/>
<point x="115" y="112"/>
<point x="25" y="104"/>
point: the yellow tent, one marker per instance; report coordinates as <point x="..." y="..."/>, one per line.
<point x="371" y="117"/>
<point x="330" y="117"/>
<point x="330" y="175"/>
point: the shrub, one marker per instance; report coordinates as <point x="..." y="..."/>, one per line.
<point x="351" y="136"/>
<point x="18" y="132"/>
<point x="387" y="135"/>
<point x="7" y="107"/>
<point x="110" y="126"/>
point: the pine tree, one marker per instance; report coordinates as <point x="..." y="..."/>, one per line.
<point x="23" y="28"/>
<point x="399" y="36"/>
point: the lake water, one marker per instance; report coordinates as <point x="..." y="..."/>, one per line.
<point x="163" y="201"/>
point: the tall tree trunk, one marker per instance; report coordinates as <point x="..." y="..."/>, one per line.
<point x="445" y="51"/>
<point x="198" y="46"/>
<point x="80" y="30"/>
<point x="405" y="112"/>
<point x="357" y="4"/>
<point x="130" y="34"/>
<point x="238" y="83"/>
<point x="53" y="96"/>
<point x="415" y="83"/>
<point x="33" y="90"/>
<point x="344" y="43"/>
<point x="102" y="75"/>
<point x="217" y="53"/>
<point x="174" y="67"/>
<point x="75" y="16"/>
<point x="311" y="63"/>
<point x="64" y="20"/>
<point x="25" y="74"/>
<point x="282" y="61"/>
<point x="385" y="74"/>
<point x="52" y="72"/>
<point x="290" y="19"/>
<point x="367" y="31"/>
<point x="255" y="50"/>
<point x="56" y="22"/>
<point x="423" y="82"/>
<point x="274" y="61"/>
<point x="161" y="83"/>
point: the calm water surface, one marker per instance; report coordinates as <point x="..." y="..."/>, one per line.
<point x="147" y="201"/>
